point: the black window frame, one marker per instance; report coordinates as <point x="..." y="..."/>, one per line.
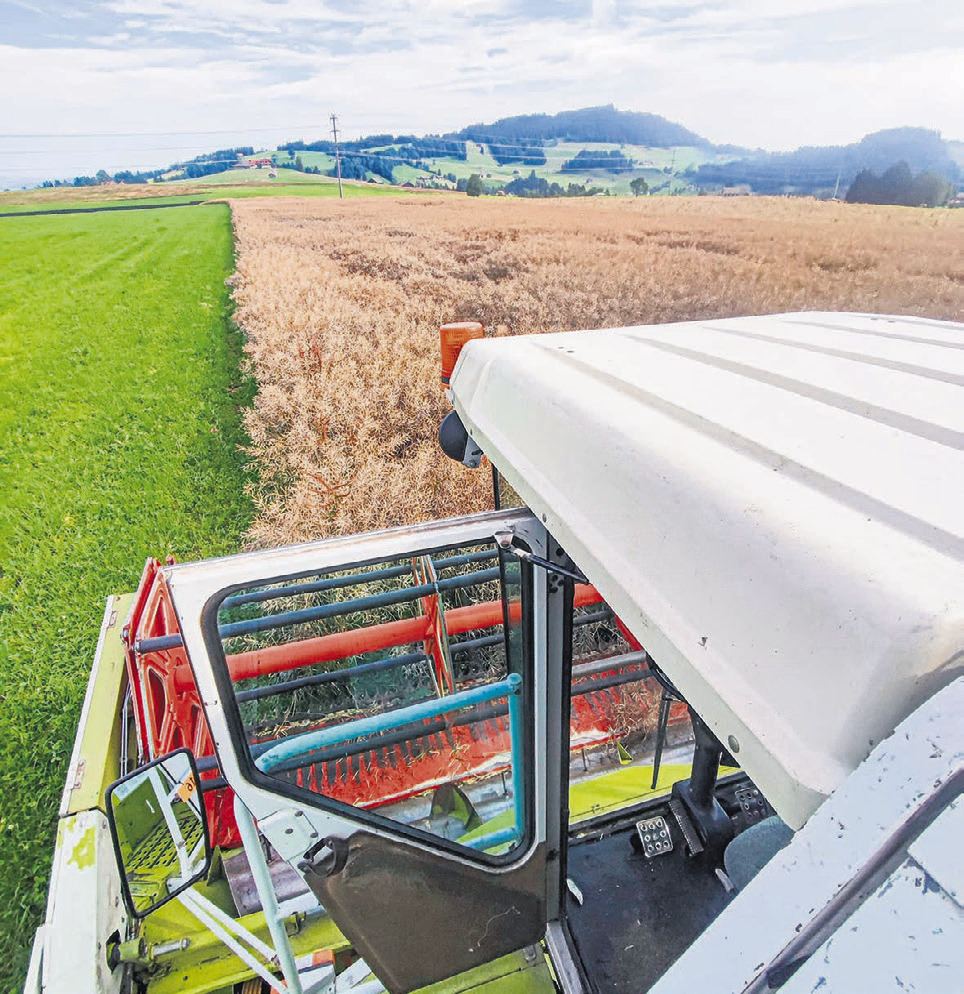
<point x="367" y="816"/>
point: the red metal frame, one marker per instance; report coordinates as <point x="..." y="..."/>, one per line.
<point x="168" y="711"/>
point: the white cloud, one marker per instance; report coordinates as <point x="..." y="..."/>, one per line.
<point x="755" y="72"/>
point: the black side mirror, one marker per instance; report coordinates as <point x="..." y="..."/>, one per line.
<point x="159" y="829"/>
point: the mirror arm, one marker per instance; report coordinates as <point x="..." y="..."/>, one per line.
<point x="231" y="933"/>
<point x="177" y="836"/>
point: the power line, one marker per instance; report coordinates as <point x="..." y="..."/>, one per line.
<point x="151" y="134"/>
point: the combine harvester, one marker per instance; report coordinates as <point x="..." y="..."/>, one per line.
<point x="433" y="756"/>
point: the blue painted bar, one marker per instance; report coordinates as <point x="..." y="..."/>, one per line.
<point x="324" y="611"/>
<point x="497" y="838"/>
<point x="517" y="738"/>
<point x="337" y="582"/>
<point x="318" y="739"/>
<point x="335" y="753"/>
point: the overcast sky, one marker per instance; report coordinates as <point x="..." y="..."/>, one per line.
<point x="138" y="83"/>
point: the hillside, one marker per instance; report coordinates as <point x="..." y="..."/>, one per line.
<point x="589" y="125"/>
<point x="594" y="150"/>
<point x="831" y="169"/>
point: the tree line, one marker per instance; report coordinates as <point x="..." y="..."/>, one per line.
<point x="531" y="186"/>
<point x="205" y="164"/>
<point x="613" y="162"/>
<point x="900" y="187"/>
<point x="825" y="170"/>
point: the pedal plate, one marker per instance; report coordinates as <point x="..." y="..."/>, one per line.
<point x="654" y="834"/>
<point x="752" y="803"/>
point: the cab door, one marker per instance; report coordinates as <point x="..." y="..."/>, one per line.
<point x="389" y="707"/>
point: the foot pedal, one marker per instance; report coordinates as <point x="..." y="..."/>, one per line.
<point x="753" y="805"/>
<point x="655" y="836"/>
<point x="686" y="826"/>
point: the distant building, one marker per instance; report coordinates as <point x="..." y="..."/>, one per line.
<point x="740" y="190"/>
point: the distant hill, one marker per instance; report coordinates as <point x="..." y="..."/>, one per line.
<point x="594" y="150"/>
<point x="591" y="124"/>
<point x="824" y="169"/>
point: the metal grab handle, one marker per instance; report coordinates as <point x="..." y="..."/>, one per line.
<point x="334" y="734"/>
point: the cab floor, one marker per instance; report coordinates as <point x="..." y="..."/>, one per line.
<point x="638" y="915"/>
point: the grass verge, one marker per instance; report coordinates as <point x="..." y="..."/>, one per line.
<point x="119" y="439"/>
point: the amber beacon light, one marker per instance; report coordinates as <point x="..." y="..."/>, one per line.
<point x="452" y="338"/>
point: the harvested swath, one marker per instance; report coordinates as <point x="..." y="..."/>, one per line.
<point x="341" y="303"/>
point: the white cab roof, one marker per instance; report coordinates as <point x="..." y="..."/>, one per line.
<point x="773" y="505"/>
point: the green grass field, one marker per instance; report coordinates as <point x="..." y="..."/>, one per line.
<point x="119" y="439"/>
<point x="217" y="187"/>
<point x="650" y="164"/>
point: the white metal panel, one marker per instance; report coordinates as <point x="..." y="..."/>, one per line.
<point x="772" y="504"/>
<point x="84" y="908"/>
<point x="195" y="586"/>
<point x="938" y="852"/>
<point x="907" y="936"/>
<point x="812" y="879"/>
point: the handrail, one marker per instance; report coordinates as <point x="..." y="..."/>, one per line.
<point x="332" y="735"/>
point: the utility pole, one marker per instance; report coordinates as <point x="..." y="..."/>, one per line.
<point x="334" y="131"/>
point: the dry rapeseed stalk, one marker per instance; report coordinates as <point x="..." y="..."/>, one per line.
<point x="341" y="302"/>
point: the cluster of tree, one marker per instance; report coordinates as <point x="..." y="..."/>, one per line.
<point x="224" y="156"/>
<point x="613" y="162"/>
<point x="298" y="165"/>
<point x="200" y="165"/>
<point x="535" y="186"/>
<point x="433" y="147"/>
<point x="822" y="170"/>
<point x="590" y="124"/>
<point x="523" y="153"/>
<point x="898" y="185"/>
<point x="211" y="162"/>
<point x="124" y="176"/>
<point x="195" y="170"/>
<point x="299" y="146"/>
<point x="355" y="166"/>
<point x="401" y="148"/>
<point x="639" y="186"/>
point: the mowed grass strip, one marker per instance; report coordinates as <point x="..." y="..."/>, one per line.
<point x="119" y="439"/>
<point x="38" y="201"/>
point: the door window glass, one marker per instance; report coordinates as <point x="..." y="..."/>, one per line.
<point x="628" y="737"/>
<point x="396" y="687"/>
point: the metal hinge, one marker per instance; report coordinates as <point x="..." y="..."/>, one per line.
<point x="79" y="774"/>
